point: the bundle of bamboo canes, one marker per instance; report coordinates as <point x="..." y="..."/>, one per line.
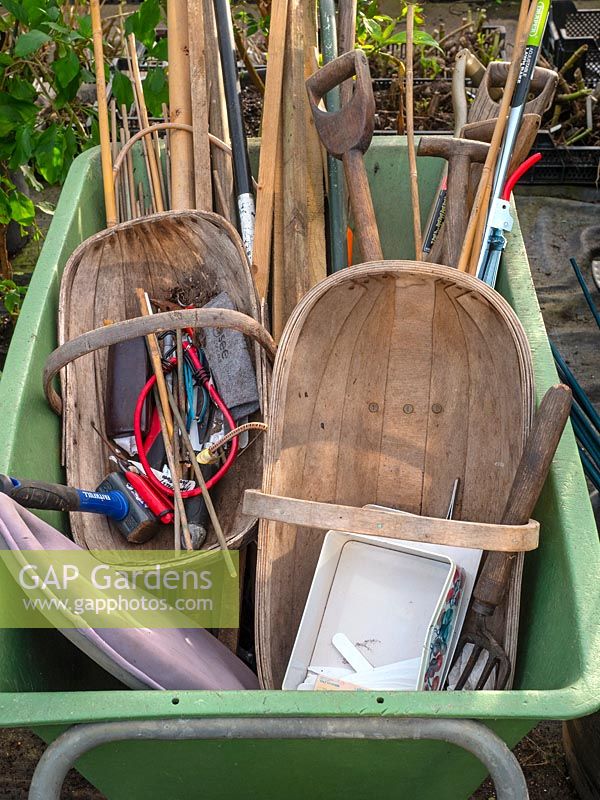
<point x="135" y="187"/>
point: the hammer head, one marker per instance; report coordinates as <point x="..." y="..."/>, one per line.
<point x="350" y="128"/>
<point x="450" y="148"/>
<point x="140" y="524"/>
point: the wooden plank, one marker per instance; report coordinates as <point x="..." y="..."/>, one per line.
<point x="200" y="107"/>
<point x="393" y="524"/>
<point x="302" y="179"/>
<point x="316" y="165"/>
<point x="180" y="105"/>
<point x="269" y="151"/>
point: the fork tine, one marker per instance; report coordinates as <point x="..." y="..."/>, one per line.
<point x="503" y="674"/>
<point x="470" y="665"/>
<point x="487" y="671"/>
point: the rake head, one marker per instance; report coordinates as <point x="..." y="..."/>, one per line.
<point x="476" y="634"/>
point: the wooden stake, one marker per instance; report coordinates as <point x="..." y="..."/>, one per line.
<point x="470" y="251"/>
<point x="304" y="262"/>
<point x="410" y="130"/>
<point x="261" y="254"/>
<point x="153" y="174"/>
<point x="200" y="107"/>
<point x="156" y="360"/>
<point x="222" y="206"/>
<point x="180" y="105"/>
<point x="107" y="178"/>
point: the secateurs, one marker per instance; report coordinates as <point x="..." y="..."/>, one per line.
<point x="500" y="220"/>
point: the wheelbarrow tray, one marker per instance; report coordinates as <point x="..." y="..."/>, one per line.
<point x="48" y="686"/>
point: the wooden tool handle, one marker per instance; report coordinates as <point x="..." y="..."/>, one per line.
<point x="530" y="477"/>
<point x="350" y="128"/>
<point x="541" y="89"/>
<point x="365" y="222"/>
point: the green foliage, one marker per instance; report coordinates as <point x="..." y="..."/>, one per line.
<point x="14" y="205"/>
<point x="156" y="90"/>
<point x="143" y="24"/>
<point x="250" y="21"/>
<point x="376" y="33"/>
<point x="44" y="59"/>
<point x="43" y="62"/>
<point x="12" y="297"/>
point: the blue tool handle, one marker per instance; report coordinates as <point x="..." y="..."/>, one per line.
<point x="55" y="497"/>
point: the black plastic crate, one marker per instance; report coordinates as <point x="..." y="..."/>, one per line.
<point x="560" y="164"/>
<point x="568" y="29"/>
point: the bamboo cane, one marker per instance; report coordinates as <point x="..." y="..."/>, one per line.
<point x="129" y="162"/>
<point x="202" y="483"/>
<point x="105" y="154"/>
<point x="156" y="361"/>
<point x="143" y="114"/>
<point x="410" y="129"/>
<point x="175" y="478"/>
<point x="140" y="125"/>
<point x="114" y="152"/>
<point x="126" y="185"/>
<point x="165" y="111"/>
<point x="479" y="209"/>
<point x="180" y="105"/>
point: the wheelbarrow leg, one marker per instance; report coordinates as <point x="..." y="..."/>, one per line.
<point x="473" y="736"/>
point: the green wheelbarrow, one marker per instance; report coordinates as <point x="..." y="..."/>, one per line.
<point x="296" y="744"/>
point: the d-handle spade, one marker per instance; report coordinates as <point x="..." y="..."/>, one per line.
<point x="346" y="135"/>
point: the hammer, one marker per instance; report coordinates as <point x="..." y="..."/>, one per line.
<point x="460" y="154"/>
<point x="116" y="498"/>
<point x="346" y="135"/>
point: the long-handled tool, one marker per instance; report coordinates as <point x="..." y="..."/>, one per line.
<point x="493" y="580"/>
<point x="460" y="155"/>
<point x="513" y="123"/>
<point x="501" y="220"/>
<point x="346" y="134"/>
<point x="338" y="256"/>
<point x="241" y="163"/>
<point x="115" y="498"/>
<point x="474" y="235"/>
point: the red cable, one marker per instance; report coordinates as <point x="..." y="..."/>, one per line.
<point x="518" y="174"/>
<point x="137" y="429"/>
